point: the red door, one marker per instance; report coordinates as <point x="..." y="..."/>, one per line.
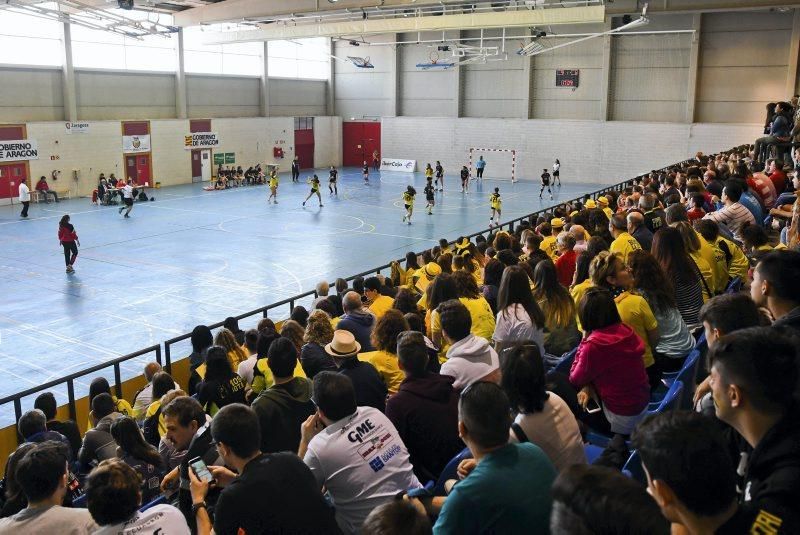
<point x="359" y="141"/>
<point x="197" y="166"/>
<point x="11" y="176"/>
<point x="142" y="169"/>
<point x="304" y="148"/>
<point x="130" y="167"/>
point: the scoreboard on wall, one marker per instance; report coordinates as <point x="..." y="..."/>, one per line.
<point x="567" y="77"/>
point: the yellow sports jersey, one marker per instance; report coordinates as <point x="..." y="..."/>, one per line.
<point x="429" y="172"/>
<point x="709" y="281"/>
<point x="738" y="265"/>
<point x="381" y="304"/>
<point x="387" y="366"/>
<point x="263" y="378"/>
<point x="151" y="410"/>
<point x="273" y="182"/>
<point x="720" y="268"/>
<point x="548" y="245"/>
<point x="408" y="198"/>
<point x="483" y="322"/>
<point x="577" y="293"/>
<point x="624" y="245"/>
<point x="637" y="314"/>
<point x="707" y="254"/>
<point x="609" y="212"/>
<point x="495" y="201"/>
<point x="314" y="184"/>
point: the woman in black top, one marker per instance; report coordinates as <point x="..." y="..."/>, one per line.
<point x="139" y="455"/>
<point x="220" y="386"/>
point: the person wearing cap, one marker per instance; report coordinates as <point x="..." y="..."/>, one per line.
<point x="623" y="243"/>
<point x="546" y="184"/>
<point x="602" y="201"/>
<point x="354" y="452"/>
<point x="357" y="319"/>
<point x="590" y="204"/>
<point x="422" y="278"/>
<point x="550" y="232"/>
<point x="370" y="389"/>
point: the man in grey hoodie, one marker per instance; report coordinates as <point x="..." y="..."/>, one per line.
<point x="98" y="444"/>
<point x="358" y="320"/>
<point x="470" y="358"/>
<point x="283" y="407"/>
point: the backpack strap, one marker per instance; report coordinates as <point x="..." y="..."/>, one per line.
<point x="519" y="433"/>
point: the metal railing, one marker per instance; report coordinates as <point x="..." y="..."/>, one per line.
<point x="69" y="380"/>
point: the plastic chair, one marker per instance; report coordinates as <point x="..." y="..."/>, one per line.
<point x="80" y="502"/>
<point x="450" y="471"/>
<point x="592" y="452"/>
<point x="633" y="468"/>
<point x="157" y="501"/>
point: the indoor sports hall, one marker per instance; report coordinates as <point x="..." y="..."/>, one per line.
<point x="183" y="179"/>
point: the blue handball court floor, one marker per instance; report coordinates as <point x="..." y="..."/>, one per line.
<point x="195" y="256"/>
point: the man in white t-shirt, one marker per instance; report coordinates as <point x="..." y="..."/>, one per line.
<point x="114" y="497"/>
<point x="127" y="198"/>
<point x="354" y="452"/>
<point x="24" y="198"/>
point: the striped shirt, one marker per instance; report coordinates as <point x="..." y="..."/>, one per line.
<point x="689" y="297"/>
<point x="735" y="216"/>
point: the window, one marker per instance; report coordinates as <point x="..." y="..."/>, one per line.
<point x="105" y="50"/>
<point x="304" y="123"/>
<point x="239" y="58"/>
<point x="28" y="40"/>
<point x="301" y="58"/>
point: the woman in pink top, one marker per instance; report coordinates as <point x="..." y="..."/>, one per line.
<point x="609" y="363"/>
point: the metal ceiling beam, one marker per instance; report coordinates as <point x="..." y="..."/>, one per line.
<point x="466" y="21"/>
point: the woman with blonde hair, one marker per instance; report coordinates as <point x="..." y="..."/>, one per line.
<point x="313" y="356"/>
<point x="561" y="329"/>
<point x="294" y="332"/>
<point x="608" y="271"/>
<point x="227" y="340"/>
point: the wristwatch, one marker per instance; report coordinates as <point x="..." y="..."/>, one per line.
<point x="197" y="506"/>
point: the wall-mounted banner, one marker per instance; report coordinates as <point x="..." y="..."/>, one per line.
<point x="230" y="157"/>
<point x="77" y="128"/>
<point x="20" y="149"/>
<point x="219" y="158"/>
<point x="201" y="140"/>
<point x="136" y="143"/>
<point x="406" y="166"/>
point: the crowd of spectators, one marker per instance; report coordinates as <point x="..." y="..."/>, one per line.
<point x="456" y="395"/>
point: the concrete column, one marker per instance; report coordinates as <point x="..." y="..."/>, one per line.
<point x="68" y="76"/>
<point x="458" y="90"/>
<point x="605" y="75"/>
<point x="264" y="100"/>
<point x="528" y="89"/>
<point x="330" y="105"/>
<point x="794" y="49"/>
<point x="180" y="79"/>
<point x="394" y="78"/>
<point x="694" y="60"/>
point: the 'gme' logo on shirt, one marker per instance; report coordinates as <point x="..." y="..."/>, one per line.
<point x="358" y="433"/>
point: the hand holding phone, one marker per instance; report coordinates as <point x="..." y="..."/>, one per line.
<point x="200" y="469"/>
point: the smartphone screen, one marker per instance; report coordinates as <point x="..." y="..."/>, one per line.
<point x="201" y="470"/>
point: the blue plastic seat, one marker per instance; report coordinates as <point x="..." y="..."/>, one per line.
<point x="734" y="286"/>
<point x="592" y="452"/>
<point x="565" y="364"/>
<point x="450" y="471"/>
<point x="633" y="468"/>
<point x="157" y="501"/>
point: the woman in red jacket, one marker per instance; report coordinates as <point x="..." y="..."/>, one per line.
<point x="609" y="363"/>
<point x="69" y="241"/>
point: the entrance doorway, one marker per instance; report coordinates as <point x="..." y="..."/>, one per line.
<point x="359" y="141"/>
<point x="11" y="176"/>
<point x="137" y="168"/>
<point x="201" y="165"/>
<point x="304" y="141"/>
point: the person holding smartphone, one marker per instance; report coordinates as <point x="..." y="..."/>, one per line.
<point x="254" y="497"/>
<point x="609" y="367"/>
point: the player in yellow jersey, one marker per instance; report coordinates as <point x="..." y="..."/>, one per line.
<point x="314" y="190"/>
<point x="428" y="172"/>
<point x="273" y="188"/>
<point x="408" y="202"/>
<point x="497" y="205"/>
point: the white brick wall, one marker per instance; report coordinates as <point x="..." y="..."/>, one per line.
<point x="590" y="151"/>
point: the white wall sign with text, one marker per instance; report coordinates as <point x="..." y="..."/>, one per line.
<point x="77" y="128"/>
<point x="201" y="140"/>
<point x="136" y="143"/>
<point x="19" y="149"/>
<point x="406" y="166"/>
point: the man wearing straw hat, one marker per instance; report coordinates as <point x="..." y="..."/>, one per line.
<point x="370" y="389"/>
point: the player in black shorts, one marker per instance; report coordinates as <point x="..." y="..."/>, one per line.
<point x="464" y="179"/>
<point x="546" y="184"/>
<point x="314" y="190"/>
<point x="439" y="176"/>
<point x="430" y="197"/>
<point x="365" y="171"/>
<point x="557" y="172"/>
<point x="332" y="181"/>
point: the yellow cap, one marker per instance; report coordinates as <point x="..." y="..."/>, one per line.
<point x="590" y="204"/>
<point x="603" y="200"/>
<point x="556" y="222"/>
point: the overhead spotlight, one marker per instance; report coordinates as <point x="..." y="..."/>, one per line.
<point x="443" y="48"/>
<point x="626" y="19"/>
<point x="355" y="43"/>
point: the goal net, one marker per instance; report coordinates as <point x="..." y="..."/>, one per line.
<point x="500" y="163"/>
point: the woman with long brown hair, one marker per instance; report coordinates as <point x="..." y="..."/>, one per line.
<point x="519" y="318"/>
<point x="681" y="273"/>
<point x="561" y="334"/>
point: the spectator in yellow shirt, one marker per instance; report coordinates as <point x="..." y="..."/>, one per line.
<point x="378" y="304"/>
<point x="227" y="340"/>
<point x="623" y="243"/>
<point x="602" y="202"/>
<point x="550" y="232"/>
<point x="384" y="339"/>
<point x="736" y="262"/>
<point x="608" y="271"/>
<point x="483" y="321"/>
